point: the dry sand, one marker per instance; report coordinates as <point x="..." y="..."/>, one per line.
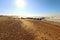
<point x="22" y="29"/>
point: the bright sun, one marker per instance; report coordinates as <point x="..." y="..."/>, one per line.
<point x="20" y="3"/>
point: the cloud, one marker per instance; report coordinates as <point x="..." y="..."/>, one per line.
<point x="20" y="3"/>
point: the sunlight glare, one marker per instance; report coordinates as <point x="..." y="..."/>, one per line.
<point x="20" y="4"/>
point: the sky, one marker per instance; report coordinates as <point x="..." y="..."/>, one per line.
<point x="29" y="7"/>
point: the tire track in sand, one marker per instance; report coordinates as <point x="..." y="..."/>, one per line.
<point x="37" y="33"/>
